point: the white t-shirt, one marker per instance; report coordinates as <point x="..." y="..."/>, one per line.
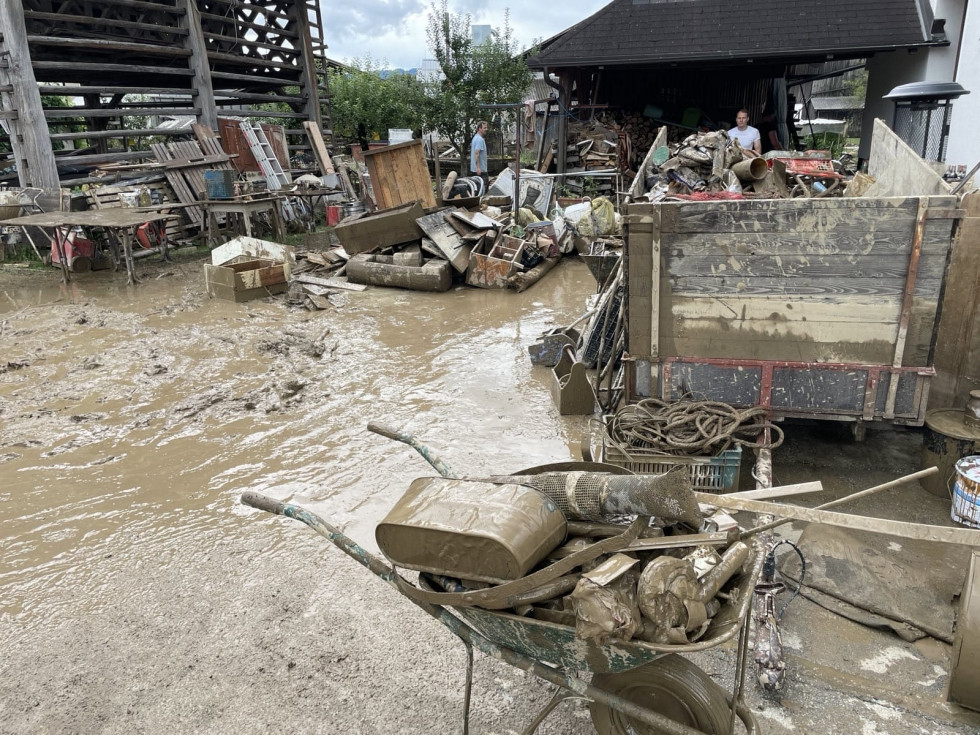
<point x="746" y="138"/>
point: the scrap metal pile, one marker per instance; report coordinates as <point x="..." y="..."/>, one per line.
<point x="711" y="166"/>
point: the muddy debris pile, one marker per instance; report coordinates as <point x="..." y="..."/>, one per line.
<point x="616" y="558"/>
<point x="707" y="166"/>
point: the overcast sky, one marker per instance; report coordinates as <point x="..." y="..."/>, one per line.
<point x="392" y="32"/>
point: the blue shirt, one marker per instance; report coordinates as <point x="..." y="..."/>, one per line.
<point x="478" y="148"/>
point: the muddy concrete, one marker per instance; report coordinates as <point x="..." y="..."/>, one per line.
<point x="137" y="595"/>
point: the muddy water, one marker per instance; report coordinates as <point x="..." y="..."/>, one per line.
<point x="132" y="419"/>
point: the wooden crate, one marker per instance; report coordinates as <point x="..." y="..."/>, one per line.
<point x="794" y="304"/>
<point x="399" y="175"/>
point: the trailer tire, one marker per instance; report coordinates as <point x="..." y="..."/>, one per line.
<point x="671" y="686"/>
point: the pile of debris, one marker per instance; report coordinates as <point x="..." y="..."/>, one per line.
<point x="710" y="165"/>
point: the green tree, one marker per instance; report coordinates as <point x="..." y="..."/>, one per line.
<point x="473" y="75"/>
<point x="364" y="95"/>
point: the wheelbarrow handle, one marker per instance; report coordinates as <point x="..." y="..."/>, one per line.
<point x="400" y="436"/>
<point x="264" y="502"/>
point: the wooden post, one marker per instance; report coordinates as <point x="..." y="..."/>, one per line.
<point x="198" y="62"/>
<point x="308" y="86"/>
<point x="29" y="135"/>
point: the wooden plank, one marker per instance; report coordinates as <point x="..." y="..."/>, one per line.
<point x="319" y="148"/>
<point x="338" y="283"/>
<point x="901" y="529"/>
<point x="444" y="237"/>
<point x="33" y="154"/>
<point x="782" y="491"/>
<point x="786" y="215"/>
<point x="743" y="347"/>
<point x="762" y="286"/>
<point x="841" y="242"/>
<point x="179" y="185"/>
<point x="640" y="292"/>
<point x="957" y="357"/>
<point x="815" y="266"/>
<point x="782" y="309"/>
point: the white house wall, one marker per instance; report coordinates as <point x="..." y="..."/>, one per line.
<point x="964" y="144"/>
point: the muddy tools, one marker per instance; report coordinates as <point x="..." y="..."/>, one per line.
<point x="595" y="496"/>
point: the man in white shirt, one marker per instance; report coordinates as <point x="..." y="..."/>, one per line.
<point x="747" y="136"/>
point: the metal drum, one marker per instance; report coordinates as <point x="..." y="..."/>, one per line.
<point x="947" y="439"/>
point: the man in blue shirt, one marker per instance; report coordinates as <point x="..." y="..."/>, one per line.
<point x="478" y="155"/>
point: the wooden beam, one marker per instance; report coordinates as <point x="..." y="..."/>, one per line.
<point x="83" y="66"/>
<point x="81" y="89"/>
<point x="198" y="64"/>
<point x="240" y="23"/>
<point x="902" y="529"/>
<point x="33" y="154"/>
<point x="148" y="49"/>
<point x="87" y="20"/>
<point x="56" y="113"/>
<point x="307" y="65"/>
<point x="109" y="134"/>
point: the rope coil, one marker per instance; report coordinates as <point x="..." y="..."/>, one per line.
<point x="686" y="427"/>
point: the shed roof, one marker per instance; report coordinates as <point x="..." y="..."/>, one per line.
<point x="639" y="32"/>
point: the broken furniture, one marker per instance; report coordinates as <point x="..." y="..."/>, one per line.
<point x="400" y="175"/>
<point x="246" y="268"/>
<point x="380" y="229"/>
<point x="241" y="211"/>
<point x="119" y="223"/>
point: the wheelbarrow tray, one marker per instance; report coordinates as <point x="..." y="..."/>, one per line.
<point x="557" y="644"/>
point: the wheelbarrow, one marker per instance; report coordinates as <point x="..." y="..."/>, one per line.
<point x="637" y="687"/>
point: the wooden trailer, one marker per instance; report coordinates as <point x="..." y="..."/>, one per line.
<point x="816" y="308"/>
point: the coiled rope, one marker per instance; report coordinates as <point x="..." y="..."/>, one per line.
<point x="686" y="427"/>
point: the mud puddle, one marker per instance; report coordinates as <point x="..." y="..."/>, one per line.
<point x="134" y="418"/>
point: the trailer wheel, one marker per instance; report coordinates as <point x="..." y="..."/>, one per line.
<point x="671" y="686"/>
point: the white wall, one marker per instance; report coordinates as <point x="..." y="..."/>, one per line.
<point x="964" y="139"/>
<point x="885" y="72"/>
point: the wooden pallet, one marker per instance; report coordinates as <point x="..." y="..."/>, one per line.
<point x="106" y="197"/>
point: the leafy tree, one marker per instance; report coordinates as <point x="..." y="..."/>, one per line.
<point x="856" y="83"/>
<point x="473" y="75"/>
<point x="363" y="95"/>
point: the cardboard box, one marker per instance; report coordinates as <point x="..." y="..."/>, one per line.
<point x="245" y="278"/>
<point x="381" y="229"/>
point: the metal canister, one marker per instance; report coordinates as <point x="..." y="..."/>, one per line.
<point x="946" y="440"/>
<point x="972" y="410"/>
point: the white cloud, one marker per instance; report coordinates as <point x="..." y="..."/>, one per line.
<point x="393" y="31"/>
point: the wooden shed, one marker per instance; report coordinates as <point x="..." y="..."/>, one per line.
<point x="820" y="308"/>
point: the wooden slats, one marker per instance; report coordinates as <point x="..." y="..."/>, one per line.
<point x="101" y="44"/>
<point x="399" y="175"/>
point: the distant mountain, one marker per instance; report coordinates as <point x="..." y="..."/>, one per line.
<point x="385" y="73"/>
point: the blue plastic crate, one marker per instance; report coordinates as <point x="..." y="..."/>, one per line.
<point x="220" y="183"/>
<point x="719" y="474"/>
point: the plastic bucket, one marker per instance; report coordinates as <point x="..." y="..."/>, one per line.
<point x="333" y="214"/>
<point x="966" y="492"/>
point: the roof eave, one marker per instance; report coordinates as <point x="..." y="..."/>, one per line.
<point x="535" y="62"/>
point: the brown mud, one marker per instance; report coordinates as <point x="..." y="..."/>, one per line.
<point x="137" y="595"/>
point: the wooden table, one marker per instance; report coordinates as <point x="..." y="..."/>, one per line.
<point x="119" y="222"/>
<point x="245" y="208"/>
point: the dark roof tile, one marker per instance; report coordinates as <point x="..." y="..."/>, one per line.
<point x="633" y="31"/>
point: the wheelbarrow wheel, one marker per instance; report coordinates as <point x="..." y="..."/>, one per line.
<point x="671" y="686"/>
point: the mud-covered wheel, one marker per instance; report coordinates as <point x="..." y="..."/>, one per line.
<point x="671" y="686"/>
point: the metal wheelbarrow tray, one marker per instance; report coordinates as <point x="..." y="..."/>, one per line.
<point x="638" y="687"/>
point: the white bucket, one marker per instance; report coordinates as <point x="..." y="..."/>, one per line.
<point x="966" y="492"/>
